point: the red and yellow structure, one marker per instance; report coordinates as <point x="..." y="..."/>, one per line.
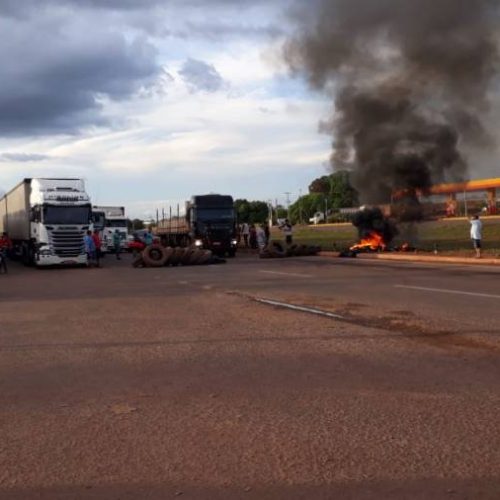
<point x="489" y="186"/>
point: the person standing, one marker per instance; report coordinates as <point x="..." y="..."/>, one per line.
<point x="287" y="229"/>
<point x="117" y="243"/>
<point x="245" y="231"/>
<point x="261" y="237"/>
<point x="253" y="237"/>
<point x="267" y="232"/>
<point x="148" y="237"/>
<point x="5" y="248"/>
<point x="89" y="248"/>
<point x="476" y="227"/>
<point x="98" y="246"/>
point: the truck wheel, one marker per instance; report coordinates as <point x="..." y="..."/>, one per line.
<point x="154" y="255"/>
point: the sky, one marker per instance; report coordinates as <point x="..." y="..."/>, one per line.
<point x="153" y="101"/>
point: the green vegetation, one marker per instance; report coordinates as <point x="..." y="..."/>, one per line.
<point x="449" y="236"/>
<point x="329" y="192"/>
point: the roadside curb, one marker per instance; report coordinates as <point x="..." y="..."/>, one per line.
<point x="419" y="258"/>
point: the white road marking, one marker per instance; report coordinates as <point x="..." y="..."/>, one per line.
<point x="294" y="275"/>
<point x="310" y="310"/>
<point x="443" y="290"/>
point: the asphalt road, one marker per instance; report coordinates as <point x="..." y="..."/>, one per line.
<point x="122" y="383"/>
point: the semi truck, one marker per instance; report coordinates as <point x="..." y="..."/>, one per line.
<point x="209" y="223"/>
<point x="46" y="220"/>
<point x="114" y="220"/>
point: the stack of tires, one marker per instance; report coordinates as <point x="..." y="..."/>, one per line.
<point x="156" y="255"/>
<point x="275" y="250"/>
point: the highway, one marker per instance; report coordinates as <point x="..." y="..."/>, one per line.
<point x="296" y="378"/>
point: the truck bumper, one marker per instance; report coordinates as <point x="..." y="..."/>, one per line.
<point x="54" y="260"/>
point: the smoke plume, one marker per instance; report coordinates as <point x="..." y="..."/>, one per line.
<point x="411" y="83"/>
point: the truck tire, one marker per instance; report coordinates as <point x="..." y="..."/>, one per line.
<point x="177" y="254"/>
<point x="186" y="257"/>
<point x="169" y="252"/>
<point x="205" y="258"/>
<point x="154" y="255"/>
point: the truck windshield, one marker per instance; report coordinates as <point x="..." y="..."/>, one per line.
<point x="116" y="223"/>
<point x="215" y="214"/>
<point x="99" y="219"/>
<point x="66" y="215"/>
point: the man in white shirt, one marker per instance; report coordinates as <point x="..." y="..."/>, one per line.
<point x="475" y="234"/>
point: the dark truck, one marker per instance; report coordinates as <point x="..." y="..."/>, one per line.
<point x="209" y="223"/>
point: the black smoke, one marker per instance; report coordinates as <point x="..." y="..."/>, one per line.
<point x="411" y="83"/>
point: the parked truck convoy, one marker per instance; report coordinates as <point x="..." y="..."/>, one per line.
<point x="114" y="220"/>
<point x="209" y="223"/>
<point x="46" y="220"/>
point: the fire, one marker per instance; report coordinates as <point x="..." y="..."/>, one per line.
<point x="373" y="242"/>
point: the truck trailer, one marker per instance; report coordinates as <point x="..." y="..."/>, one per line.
<point x="114" y="220"/>
<point x="209" y="223"/>
<point x="46" y="220"/>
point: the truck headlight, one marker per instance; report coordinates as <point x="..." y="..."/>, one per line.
<point x="234" y="242"/>
<point x="45" y="251"/>
<point x="198" y="243"/>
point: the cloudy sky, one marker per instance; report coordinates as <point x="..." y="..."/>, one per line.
<point x="152" y="101"/>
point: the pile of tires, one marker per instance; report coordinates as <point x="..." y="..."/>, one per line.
<point x="275" y="250"/>
<point x="156" y="255"/>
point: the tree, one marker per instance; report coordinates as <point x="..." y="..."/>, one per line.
<point x="252" y="212"/>
<point x="135" y="224"/>
<point x="337" y="188"/>
<point x="306" y="206"/>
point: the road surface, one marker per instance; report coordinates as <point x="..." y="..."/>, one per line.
<point x="258" y="379"/>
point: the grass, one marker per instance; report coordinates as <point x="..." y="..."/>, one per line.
<point x="448" y="236"/>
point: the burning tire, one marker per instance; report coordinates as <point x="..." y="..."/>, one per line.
<point x="154" y="255"/>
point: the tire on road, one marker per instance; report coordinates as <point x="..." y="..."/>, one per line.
<point x="138" y="261"/>
<point x="169" y="252"/>
<point x="154" y="255"/>
<point x="205" y="258"/>
<point x="175" y="260"/>
<point x="186" y="257"/>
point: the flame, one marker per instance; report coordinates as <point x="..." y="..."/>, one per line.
<point x="374" y="241"/>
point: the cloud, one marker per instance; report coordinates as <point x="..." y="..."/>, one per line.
<point x="22" y="157"/>
<point x="200" y="76"/>
<point x="56" y="76"/>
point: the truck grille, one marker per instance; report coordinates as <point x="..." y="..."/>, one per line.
<point x="67" y="243"/>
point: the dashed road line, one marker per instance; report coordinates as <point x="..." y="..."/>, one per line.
<point x="443" y="290"/>
<point x="281" y="273"/>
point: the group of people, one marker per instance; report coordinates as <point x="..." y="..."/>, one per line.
<point x="254" y="236"/>
<point x="257" y="236"/>
<point x="93" y="247"/>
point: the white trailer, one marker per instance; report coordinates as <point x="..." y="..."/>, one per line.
<point x="46" y="220"/>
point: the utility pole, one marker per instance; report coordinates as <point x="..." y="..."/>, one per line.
<point x="300" y="205"/>
<point x="287" y="194"/>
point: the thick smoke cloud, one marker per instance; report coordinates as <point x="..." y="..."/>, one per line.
<point x="411" y="82"/>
